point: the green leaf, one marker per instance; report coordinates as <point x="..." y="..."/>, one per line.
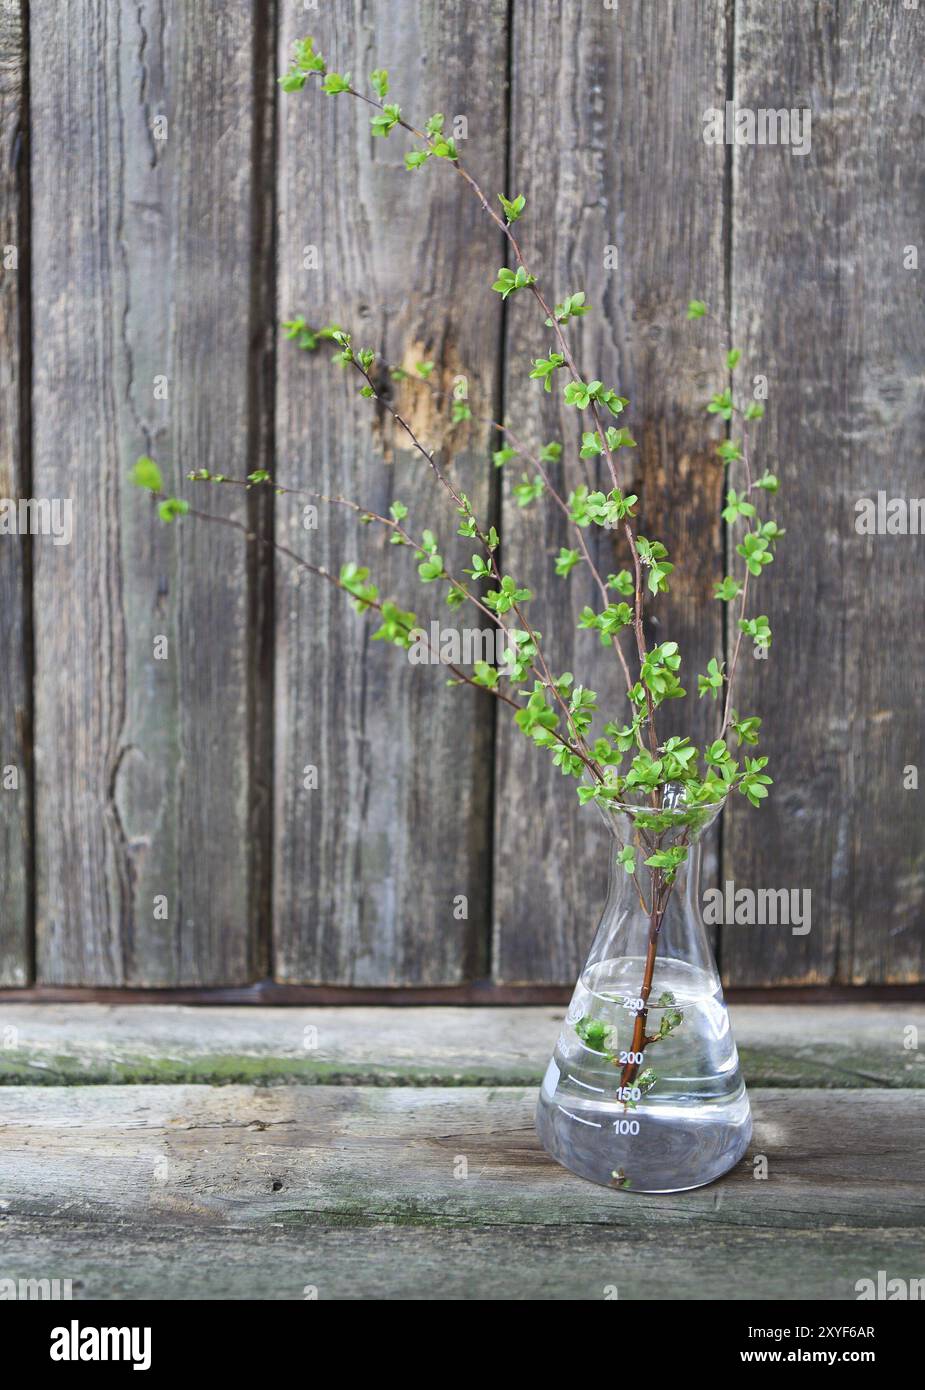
<point x="566" y="561"/>
<point x="594" y="1033"/>
<point x="513" y="209"/>
<point x="334" y="83"/>
<point x="727" y="589"/>
<point x="729" y="451"/>
<point x="572" y="307"/>
<point x="171" y="508"/>
<point x="305" y="56"/>
<point x="712" y="683"/>
<point x="721" y="405"/>
<point x="696" y="309"/>
<point x="736" y="506"/>
<point x="502" y="456"/>
<point x="543" y="368"/>
<point x="527" y="491"/>
<point x="733" y="358"/>
<point x="622" y="582"/>
<point x="510" y="280"/>
<point x="293" y="80"/>
<point x="414" y="159"/>
<point x="758" y="629"/>
<point x="379" y="78"/>
<point x="627" y="859"/>
<point x="146" y="474"/>
<point x="746" y="730"/>
<point x="385" y="120"/>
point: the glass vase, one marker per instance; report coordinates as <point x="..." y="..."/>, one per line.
<point x="644" y="1091"/>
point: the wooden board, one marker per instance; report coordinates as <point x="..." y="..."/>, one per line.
<point x="142" y="258"/>
<point x="437" y="1193"/>
<point x="825" y="308"/>
<point x="15" y="692"/>
<point x="368" y="865"/>
<point x="606" y="148"/>
<point x="833" y="1046"/>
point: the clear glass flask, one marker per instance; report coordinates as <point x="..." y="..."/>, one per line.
<point x="644" y="1091"/>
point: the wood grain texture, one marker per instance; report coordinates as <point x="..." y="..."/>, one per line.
<point x="825" y="308"/>
<point x="832" y="1046"/>
<point x="356" y="1191"/>
<point x="606" y="145"/>
<point x="15" y="693"/>
<point x="142" y="260"/>
<point x="368" y="864"/>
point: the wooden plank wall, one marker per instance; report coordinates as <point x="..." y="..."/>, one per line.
<point x="654" y="206"/>
<point x="370" y="863"/>
<point x="193" y="210"/>
<point x="141" y="254"/>
<point x="15" y="682"/>
<point x="842" y="346"/>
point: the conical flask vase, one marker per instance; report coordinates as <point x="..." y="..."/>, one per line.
<point x="644" y="1092"/>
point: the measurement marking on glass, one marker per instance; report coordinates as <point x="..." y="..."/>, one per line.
<point x="630" y="1127"/>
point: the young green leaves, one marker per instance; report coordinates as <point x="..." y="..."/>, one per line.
<point x="512" y="209"/>
<point x="573" y="306"/>
<point x="712" y="683"/>
<point x="304" y="62"/>
<point x="510" y="280"/>
<point x="543" y="367"/>
<point x="582" y="393"/>
<point x="385" y="120"/>
<point x="146" y="474"/>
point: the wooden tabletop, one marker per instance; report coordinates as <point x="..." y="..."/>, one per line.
<point x="390" y="1154"/>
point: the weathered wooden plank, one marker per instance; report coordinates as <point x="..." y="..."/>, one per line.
<point x="44" y="1044"/>
<point x="370" y="864"/>
<point x="15" y="694"/>
<point x="608" y="111"/>
<point x="173" y="1259"/>
<point x="827" y="309"/>
<point x="194" y="1167"/>
<point x="142" y="317"/>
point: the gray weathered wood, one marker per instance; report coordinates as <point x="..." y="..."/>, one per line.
<point x="369" y="864"/>
<point x="825" y="308"/>
<point x="15" y="695"/>
<point x="835" y="1046"/>
<point x="142" y="256"/>
<point x="438" y="1193"/>
<point x="605" y="140"/>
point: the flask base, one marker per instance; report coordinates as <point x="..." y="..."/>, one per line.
<point x="672" y="1149"/>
